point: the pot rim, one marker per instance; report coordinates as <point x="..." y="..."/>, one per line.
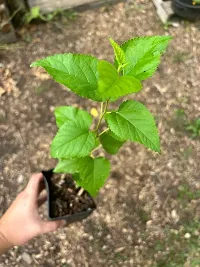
<point x="187" y="5"/>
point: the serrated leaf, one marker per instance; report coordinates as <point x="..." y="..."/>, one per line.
<point x="134" y="122"/>
<point x="109" y="143"/>
<point x="68" y="113"/>
<point x="112" y="86"/>
<point x="119" y="53"/>
<point x="143" y="55"/>
<point x="78" y="72"/>
<point x="67" y="166"/>
<point x="74" y="139"/>
<point x="92" y="172"/>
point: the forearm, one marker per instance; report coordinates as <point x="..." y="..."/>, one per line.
<point x="4" y="244"/>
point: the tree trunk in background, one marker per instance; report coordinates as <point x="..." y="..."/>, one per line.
<point x="7" y="33"/>
<point x="17" y="10"/>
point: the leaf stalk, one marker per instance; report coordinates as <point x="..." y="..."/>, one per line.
<point x="103" y="112"/>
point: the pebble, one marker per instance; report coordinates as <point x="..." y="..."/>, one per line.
<point x="38" y="256"/>
<point x="20" y="179"/>
<point x="187" y="235"/>
<point x="149" y="223"/>
<point x="120" y="249"/>
<point x="196" y="233"/>
<point x="175" y="24"/>
<point x="175" y="215"/>
<point x="91" y="238"/>
<point x="27" y="258"/>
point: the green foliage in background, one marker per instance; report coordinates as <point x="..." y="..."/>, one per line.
<point x="194" y="127"/>
<point x="36" y="14"/>
<point x="100" y="81"/>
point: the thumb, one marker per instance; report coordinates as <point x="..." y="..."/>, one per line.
<point x="52" y="226"/>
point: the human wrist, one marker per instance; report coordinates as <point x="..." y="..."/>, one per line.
<point x="5" y="244"/>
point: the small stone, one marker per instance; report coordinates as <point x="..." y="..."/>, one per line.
<point x="174" y="215"/>
<point x="187" y="235"/>
<point x="118" y="250"/>
<point x="175" y="24"/>
<point x="20" y="179"/>
<point x="51" y="108"/>
<point x="149" y="223"/>
<point x="91" y="238"/>
<point x="38" y="256"/>
<point x="69" y="261"/>
<point x="108" y="236"/>
<point x="196" y="233"/>
<point x="174" y="231"/>
<point x="27" y="258"/>
<point x="104" y="247"/>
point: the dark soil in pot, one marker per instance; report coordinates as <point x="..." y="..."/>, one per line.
<point x="65" y="199"/>
<point x="186" y="9"/>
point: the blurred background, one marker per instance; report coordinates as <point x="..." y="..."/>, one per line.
<point x="148" y="212"/>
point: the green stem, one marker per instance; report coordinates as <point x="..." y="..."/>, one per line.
<point x="103" y="112"/>
<point x="104" y="131"/>
<point x="96" y="148"/>
<point x="119" y="68"/>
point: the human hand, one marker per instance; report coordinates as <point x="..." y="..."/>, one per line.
<point x="22" y="222"/>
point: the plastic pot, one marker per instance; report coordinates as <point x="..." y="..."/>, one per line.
<point x="185" y="9"/>
<point x="47" y="175"/>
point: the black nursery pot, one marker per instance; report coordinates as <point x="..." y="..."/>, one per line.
<point x="185" y="9"/>
<point x="69" y="218"/>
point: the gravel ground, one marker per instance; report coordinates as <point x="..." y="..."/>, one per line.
<point x="148" y="212"/>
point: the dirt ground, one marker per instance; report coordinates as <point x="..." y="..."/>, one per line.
<point x="148" y="212"/>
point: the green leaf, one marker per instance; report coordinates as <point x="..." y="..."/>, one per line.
<point x="112" y="86"/>
<point x="78" y="72"/>
<point x="74" y="139"/>
<point x="134" y="122"/>
<point x="67" y="166"/>
<point x="119" y="53"/>
<point x="143" y="55"/>
<point x="109" y="143"/>
<point x="88" y="77"/>
<point x="92" y="172"/>
<point x="34" y="13"/>
<point x="68" y="113"/>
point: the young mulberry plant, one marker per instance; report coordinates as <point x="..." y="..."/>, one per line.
<point x="134" y="61"/>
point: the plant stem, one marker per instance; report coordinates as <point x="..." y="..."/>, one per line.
<point x="104" y="131"/>
<point x="119" y="68"/>
<point x="96" y="148"/>
<point x="103" y="112"/>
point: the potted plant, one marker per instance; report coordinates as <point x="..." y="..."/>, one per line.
<point x="80" y="173"/>
<point x="189" y="9"/>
